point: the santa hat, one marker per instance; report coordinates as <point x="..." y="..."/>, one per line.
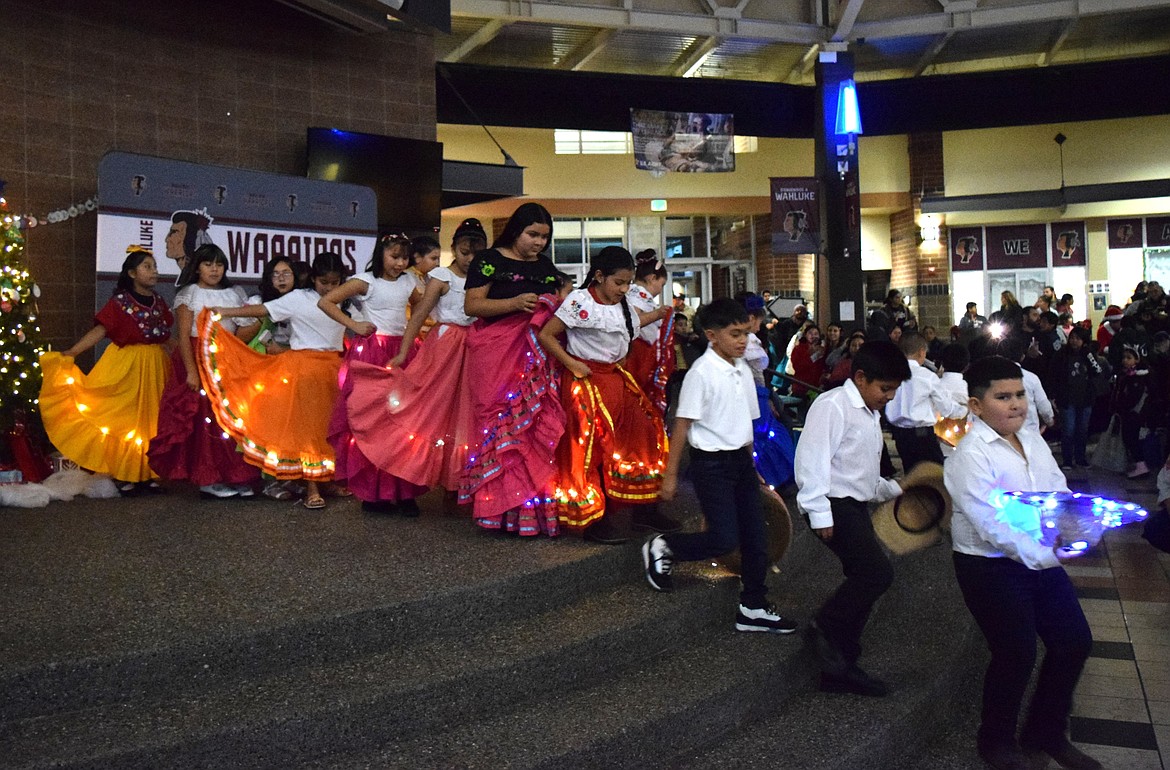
<point x="1113" y="313"/>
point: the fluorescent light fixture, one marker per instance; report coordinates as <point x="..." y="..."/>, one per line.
<point x="848" y="113"/>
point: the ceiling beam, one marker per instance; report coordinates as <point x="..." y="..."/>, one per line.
<point x="1061" y="37"/>
<point x="727" y="22"/>
<point x="478" y="39"/>
<point x="804" y="67"/>
<point x="693" y="57"/>
<point x="848" y="19"/>
<point x="931" y="53"/>
<point x="584" y="53"/>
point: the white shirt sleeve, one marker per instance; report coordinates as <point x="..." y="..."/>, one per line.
<point x="692" y="397"/>
<point x="1042" y="402"/>
<point x="943" y="402"/>
<point x="823" y="428"/>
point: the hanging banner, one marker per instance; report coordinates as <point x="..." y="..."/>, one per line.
<point x="1124" y="233"/>
<point x="1016" y="246"/>
<point x="1158" y="232"/>
<point x="692" y="142"/>
<point x="966" y="248"/>
<point x="796" y="217"/>
<point x="1068" y="244"/>
<point x="172" y="207"/>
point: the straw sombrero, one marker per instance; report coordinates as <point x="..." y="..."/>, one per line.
<point x="778" y="525"/>
<point x="916" y="518"/>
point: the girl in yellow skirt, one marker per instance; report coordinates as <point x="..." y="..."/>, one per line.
<point x="611" y="457"/>
<point x="103" y="421"/>
<point x="278" y="407"/>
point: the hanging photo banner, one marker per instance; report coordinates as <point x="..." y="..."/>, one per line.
<point x="691" y="142"/>
<point x="1158" y="232"/>
<point x="1068" y="244"/>
<point x="1016" y="246"/>
<point x="796" y="217"/>
<point x="966" y="248"/>
<point x="172" y="207"/>
<point x="1125" y="233"/>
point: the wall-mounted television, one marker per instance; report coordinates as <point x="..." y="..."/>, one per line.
<point x="405" y="174"/>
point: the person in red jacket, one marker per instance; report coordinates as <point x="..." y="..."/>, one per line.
<point x="808" y="360"/>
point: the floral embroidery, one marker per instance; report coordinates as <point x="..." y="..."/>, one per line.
<point x="583" y="314"/>
<point x="487" y="269"/>
<point x="151" y="321"/>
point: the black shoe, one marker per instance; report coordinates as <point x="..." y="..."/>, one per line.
<point x="409" y="509"/>
<point x="1004" y="756"/>
<point x="378" y="506"/>
<point x="854" y="681"/>
<point x="606" y="532"/>
<point x="1065" y="754"/>
<point x="828" y="655"/>
<point x="129" y="489"/>
<point x="647" y="518"/>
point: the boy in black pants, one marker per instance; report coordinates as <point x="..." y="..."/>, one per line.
<point x="714" y="418"/>
<point x="916" y="406"/>
<point x="838" y="472"/>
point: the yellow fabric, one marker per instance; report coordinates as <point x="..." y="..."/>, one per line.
<point x="104" y="421"/>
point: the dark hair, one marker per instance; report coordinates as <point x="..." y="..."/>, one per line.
<point x="721" y="313"/>
<point x="891" y="294"/>
<point x="527" y="214"/>
<point x="470" y="229"/>
<point x="563" y="279"/>
<point x="1050" y="317"/>
<point x="607" y="262"/>
<point x="135" y="256"/>
<point x="384" y="244"/>
<point x="981" y="373"/>
<point x="881" y="360"/>
<point x="954" y="357"/>
<point x="328" y="262"/>
<point x="1010" y="347"/>
<point x="752" y="303"/>
<point x="972" y="304"/>
<point x="206" y="253"/>
<point x="421" y="246"/>
<point x="302" y="270"/>
<point x="1081" y="333"/>
<point x="911" y="342"/>
<point x="647" y="264"/>
<point x="1066" y="298"/>
<point x="195" y="222"/>
<point x="267" y="290"/>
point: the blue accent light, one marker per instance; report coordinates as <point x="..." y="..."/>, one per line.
<point x="848" y="112"/>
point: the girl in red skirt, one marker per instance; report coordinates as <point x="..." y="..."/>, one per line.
<point x="651" y="358"/>
<point x="611" y="458"/>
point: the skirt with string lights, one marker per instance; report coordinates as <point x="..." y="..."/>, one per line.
<point x="772" y="445"/>
<point x="104" y="420"/>
<point x="275" y="407"/>
<point x="415" y="422"/>
<point x="518" y="420"/>
<point x="190" y="445"/>
<point x="652" y="364"/>
<point x="614" y="445"/>
<point x="368" y="481"/>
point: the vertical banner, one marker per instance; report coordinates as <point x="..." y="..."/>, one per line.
<point x="966" y="246"/>
<point x="173" y="207"/>
<point x="692" y="142"/>
<point x="796" y="226"/>
<point x="1068" y="244"/>
<point x="1016" y="246"/>
<point x="1124" y="233"/>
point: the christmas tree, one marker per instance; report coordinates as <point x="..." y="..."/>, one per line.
<point x="20" y="348"/>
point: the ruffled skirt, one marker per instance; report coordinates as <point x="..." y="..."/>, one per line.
<point x="652" y="364"/>
<point x="104" y="420"/>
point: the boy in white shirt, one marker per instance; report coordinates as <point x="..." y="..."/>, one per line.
<point x="916" y="407"/>
<point x="838" y="460"/>
<point x="1014" y="586"/>
<point x="714" y="416"/>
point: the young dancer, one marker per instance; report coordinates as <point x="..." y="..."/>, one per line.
<point x="425" y="255"/>
<point x="385" y="290"/>
<point x="515" y="398"/>
<point x="917" y="405"/>
<point x="416" y="422"/>
<point x="611" y="457"/>
<point x="652" y="358"/>
<point x="771" y="442"/>
<point x="277" y="279"/>
<point x="1014" y="586"/>
<point x="838" y="461"/>
<point x="189" y="444"/>
<point x="103" y="421"/>
<point x="715" y="411"/>
<point x="278" y="407"/>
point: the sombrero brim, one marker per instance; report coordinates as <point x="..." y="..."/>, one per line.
<point x="900" y="523"/>
<point x="777" y="523"/>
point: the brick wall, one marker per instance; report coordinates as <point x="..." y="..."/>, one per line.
<point x="785" y="275"/>
<point x="232" y="84"/>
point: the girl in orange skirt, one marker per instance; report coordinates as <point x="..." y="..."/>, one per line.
<point x="278" y="407"/>
<point x="417" y="422"/>
<point x="651" y="358"/>
<point x="103" y="421"/>
<point x="614" y="444"/>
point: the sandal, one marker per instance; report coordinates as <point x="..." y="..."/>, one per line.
<point x="313" y="502"/>
<point x="276" y="491"/>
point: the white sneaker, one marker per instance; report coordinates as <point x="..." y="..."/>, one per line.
<point x="763" y="619"/>
<point x="218" y="491"/>
<point x="657" y="560"/>
<point x="244" y="490"/>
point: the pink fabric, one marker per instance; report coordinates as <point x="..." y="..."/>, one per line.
<point x="189" y="443"/>
<point x="365" y="479"/>
<point x="519" y="421"/>
<point x="416" y="421"/>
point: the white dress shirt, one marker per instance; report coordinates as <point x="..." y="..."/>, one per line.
<point x="839" y="455"/>
<point x="954" y="384"/>
<point x="984" y="465"/>
<point x="596" y="332"/>
<point x="310" y="328"/>
<point x="1039" y="407"/>
<point x="921" y="400"/>
<point x="721" y="399"/>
